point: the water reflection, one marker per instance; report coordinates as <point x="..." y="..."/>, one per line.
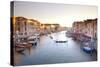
<point x="48" y="51"/>
<point x="22" y="53"/>
<point x="30" y="49"/>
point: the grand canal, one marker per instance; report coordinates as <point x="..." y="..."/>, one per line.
<point x="47" y="51"/>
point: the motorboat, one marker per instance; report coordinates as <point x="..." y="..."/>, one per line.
<point x="88" y="47"/>
<point x="61" y="41"/>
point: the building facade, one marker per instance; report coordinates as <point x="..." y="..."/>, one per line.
<point x="21" y="25"/>
<point x="87" y="27"/>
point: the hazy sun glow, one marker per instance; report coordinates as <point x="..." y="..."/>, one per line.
<point x="64" y="14"/>
<point x="61" y="21"/>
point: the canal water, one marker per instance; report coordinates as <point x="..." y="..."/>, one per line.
<point x="47" y="51"/>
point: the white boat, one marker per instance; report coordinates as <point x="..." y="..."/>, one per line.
<point x="33" y="40"/>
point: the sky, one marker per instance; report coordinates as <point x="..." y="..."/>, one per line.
<point x="63" y="14"/>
